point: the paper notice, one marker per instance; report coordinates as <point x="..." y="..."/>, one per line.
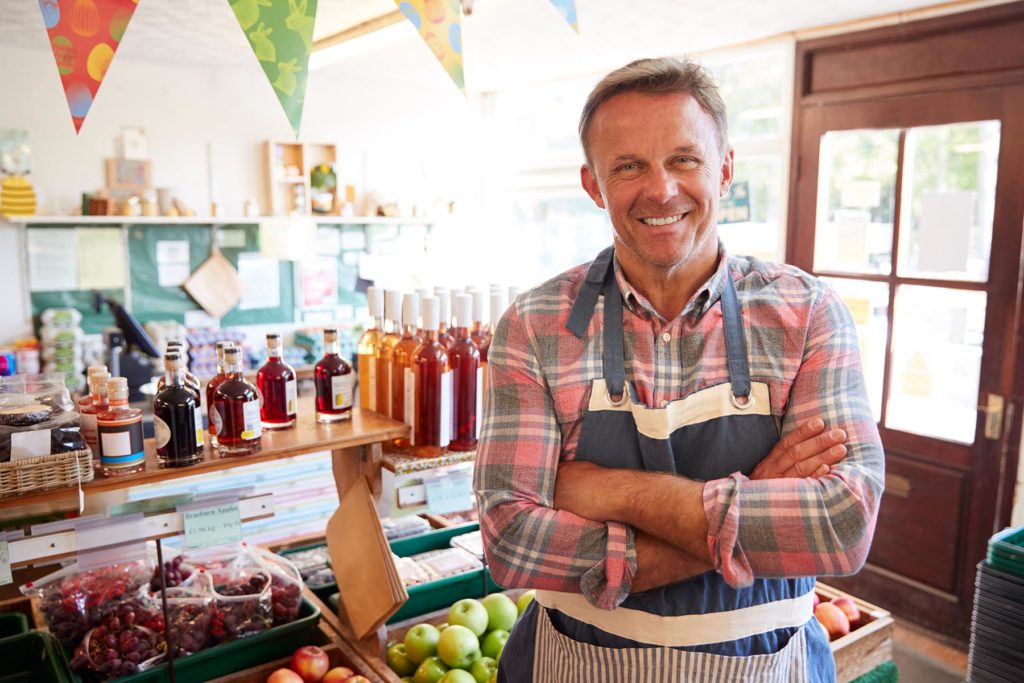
<point x="100" y="258"/>
<point x="944" y="231"/>
<point x="260" y="280"/>
<point x="172" y="262"/>
<point x="52" y="259"/>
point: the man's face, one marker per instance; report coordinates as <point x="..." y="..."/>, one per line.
<point x="656" y="166"/>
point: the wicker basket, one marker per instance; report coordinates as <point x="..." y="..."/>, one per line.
<point x="58" y="470"/>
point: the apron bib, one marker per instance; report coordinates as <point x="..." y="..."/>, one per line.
<point x="701" y="628"/>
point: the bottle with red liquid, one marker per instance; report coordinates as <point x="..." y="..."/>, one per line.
<point x="334" y="381"/>
<point x="429" y="403"/>
<point x="392" y="335"/>
<point x="89" y="412"/>
<point x="177" y="423"/>
<point x="368" y="348"/>
<point x="467" y="380"/>
<point x="401" y="364"/>
<point x="277" y="382"/>
<point x="444" y="300"/>
<point x="235" y="415"/>
<point x="119" y="430"/>
<point x="191" y="381"/>
<point x="211" y="386"/>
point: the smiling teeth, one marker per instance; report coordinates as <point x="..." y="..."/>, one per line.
<point x="662" y="221"/>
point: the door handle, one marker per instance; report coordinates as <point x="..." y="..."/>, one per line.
<point x="994" y="410"/>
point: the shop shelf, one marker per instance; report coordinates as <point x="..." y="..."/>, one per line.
<point x="33" y="657"/>
<point x="13" y="624"/>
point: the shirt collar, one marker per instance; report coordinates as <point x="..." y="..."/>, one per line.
<point x="696" y="307"/>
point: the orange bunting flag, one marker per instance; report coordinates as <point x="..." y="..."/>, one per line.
<point x="84" y="35"/>
<point x="440" y="24"/>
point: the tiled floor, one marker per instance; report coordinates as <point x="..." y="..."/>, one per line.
<point x="924" y="657"/>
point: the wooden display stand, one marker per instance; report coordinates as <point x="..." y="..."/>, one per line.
<point x="283" y="188"/>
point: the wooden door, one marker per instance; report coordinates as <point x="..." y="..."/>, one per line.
<point x="907" y="198"/>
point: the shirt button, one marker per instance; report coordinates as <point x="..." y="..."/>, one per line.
<point x="666" y="337"/>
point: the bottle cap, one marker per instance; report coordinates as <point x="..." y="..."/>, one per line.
<point x="117" y="388"/>
<point x="444" y="310"/>
<point x="410" y="309"/>
<point x="375" y="301"/>
<point x="497" y="306"/>
<point x="273" y="341"/>
<point x="393" y="306"/>
<point x="424" y="292"/>
<point x="478" y="305"/>
<point x="172" y="360"/>
<point x="222" y="346"/>
<point x="463" y="310"/>
<point x="496" y="288"/>
<point x="95" y="370"/>
<point x="330" y="334"/>
<point x="98" y="383"/>
<point x="431" y="313"/>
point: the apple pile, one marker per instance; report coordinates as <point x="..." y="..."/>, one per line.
<point x="838" y="616"/>
<point x="310" y="664"/>
<point x="467" y="649"/>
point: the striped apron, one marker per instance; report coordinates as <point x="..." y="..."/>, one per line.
<point x="700" y="629"/>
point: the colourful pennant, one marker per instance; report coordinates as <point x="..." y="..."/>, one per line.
<point x="281" y="35"/>
<point x="567" y="8"/>
<point x="84" y="35"/>
<point x="440" y="24"/>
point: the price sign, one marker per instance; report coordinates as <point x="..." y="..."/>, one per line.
<point x="212" y="526"/>
<point x="5" y="564"/>
<point x="449" y="493"/>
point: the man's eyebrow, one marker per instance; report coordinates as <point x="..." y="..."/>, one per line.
<point x="686" y="149"/>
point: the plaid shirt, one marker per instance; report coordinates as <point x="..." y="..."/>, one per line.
<point x="801" y="342"/>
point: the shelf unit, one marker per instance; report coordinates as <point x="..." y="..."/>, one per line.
<point x="289" y="166"/>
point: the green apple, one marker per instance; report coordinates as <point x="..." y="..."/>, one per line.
<point x="421" y="642"/>
<point x="494" y="677"/>
<point x="525" y="599"/>
<point x="457" y="676"/>
<point x="399" y="661"/>
<point x="429" y="671"/>
<point x="493" y="643"/>
<point x="407" y="679"/>
<point x="501" y="612"/>
<point x="483" y="668"/>
<point x="469" y="613"/>
<point x="458" y="647"/>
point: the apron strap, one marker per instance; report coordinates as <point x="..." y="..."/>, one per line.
<point x="583" y="308"/>
<point x="614" y="355"/>
<point x="735" y="340"/>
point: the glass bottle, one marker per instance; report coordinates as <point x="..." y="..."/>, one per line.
<point x="401" y="362"/>
<point x="477" y="330"/>
<point x="191" y="381"/>
<point x="392" y="335"/>
<point x="212" y="385"/>
<point x="93" y="370"/>
<point x="87" y="414"/>
<point x="119" y="430"/>
<point x="444" y="299"/>
<point x="277" y="382"/>
<point x="367" y="349"/>
<point x="467" y="380"/>
<point x="429" y="403"/>
<point x="177" y="423"/>
<point x="334" y="381"/>
<point x="235" y="416"/>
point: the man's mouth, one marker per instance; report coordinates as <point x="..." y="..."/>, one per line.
<point x="667" y="220"/>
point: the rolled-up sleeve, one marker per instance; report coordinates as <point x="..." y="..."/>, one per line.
<point x="528" y="544"/>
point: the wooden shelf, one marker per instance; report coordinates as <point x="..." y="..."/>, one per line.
<point x="308" y="436"/>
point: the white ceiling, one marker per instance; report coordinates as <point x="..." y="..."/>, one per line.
<point x="506" y="42"/>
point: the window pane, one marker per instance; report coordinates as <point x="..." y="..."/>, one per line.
<point x="753" y="88"/>
<point x="869" y="305"/>
<point x="936" y="362"/>
<point x="760" y="178"/>
<point x="856" y="196"/>
<point x="949" y="191"/>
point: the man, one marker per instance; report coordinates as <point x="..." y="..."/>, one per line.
<point x="631" y="467"/>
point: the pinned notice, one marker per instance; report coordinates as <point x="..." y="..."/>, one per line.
<point x="172" y="262"/>
<point x="212" y="526"/>
<point x="5" y="564"/>
<point x="449" y="493"/>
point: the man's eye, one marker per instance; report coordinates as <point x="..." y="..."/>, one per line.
<point x="627" y="167"/>
<point x="685" y="160"/>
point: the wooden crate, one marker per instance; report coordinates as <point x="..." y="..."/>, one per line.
<point x="866" y="647"/>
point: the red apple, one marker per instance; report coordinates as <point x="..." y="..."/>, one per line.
<point x="833" y="619"/>
<point x="817" y="601"/>
<point x="284" y="676"/>
<point x="358" y="679"/>
<point x="339" y="674"/>
<point x="311" y="663"/>
<point x="849" y="608"/>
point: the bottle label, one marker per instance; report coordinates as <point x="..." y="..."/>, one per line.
<point x="121" y="444"/>
<point x="251" y="427"/>
<point x="479" y="399"/>
<point x="161" y="432"/>
<point x="370" y="378"/>
<point x="291" y="394"/>
<point x="87" y="425"/>
<point x="388" y="393"/>
<point x="341" y="390"/>
<point x="410" y="404"/>
<point x="197" y="423"/>
<point x="446" y="408"/>
<point x="216" y="423"/>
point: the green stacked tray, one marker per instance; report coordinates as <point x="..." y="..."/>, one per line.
<point x="1006" y="551"/>
<point x="33" y="657"/>
<point x="13" y="624"/>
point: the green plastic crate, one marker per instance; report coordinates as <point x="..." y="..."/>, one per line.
<point x="33" y="657"/>
<point x="13" y="624"/>
<point x="323" y="592"/>
<point x="236" y="655"/>
<point x="1006" y="551"/>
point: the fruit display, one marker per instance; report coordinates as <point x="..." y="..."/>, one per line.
<point x="242" y="606"/>
<point x="837" y="616"/>
<point x="310" y="664"/>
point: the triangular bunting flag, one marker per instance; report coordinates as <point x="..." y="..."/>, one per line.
<point x="440" y="24"/>
<point x="567" y="8"/>
<point x="84" y="35"/>
<point x="281" y="35"/>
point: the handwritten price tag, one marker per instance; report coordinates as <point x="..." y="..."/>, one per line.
<point x="212" y="526"/>
<point x="449" y="493"/>
<point x="5" y="564"/>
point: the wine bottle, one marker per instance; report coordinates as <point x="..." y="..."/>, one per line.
<point x="277" y="383"/>
<point x="334" y="381"/>
<point x="235" y="415"/>
<point x="368" y="348"/>
<point x="467" y="380"/>
<point x="177" y="423"/>
<point x="401" y="362"/>
<point x="392" y="335"/>
<point x="430" y="401"/>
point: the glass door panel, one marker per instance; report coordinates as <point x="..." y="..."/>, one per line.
<point x="949" y="191"/>
<point x="936" y="362"/>
<point x="856" y="201"/>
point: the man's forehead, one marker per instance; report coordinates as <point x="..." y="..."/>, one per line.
<point x="676" y="116"/>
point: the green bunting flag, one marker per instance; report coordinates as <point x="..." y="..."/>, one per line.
<point x="281" y="35"/>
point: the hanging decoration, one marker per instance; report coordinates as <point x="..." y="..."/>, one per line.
<point x="84" y="35"/>
<point x="440" y="24"/>
<point x="281" y="35"/>
<point x="567" y="8"/>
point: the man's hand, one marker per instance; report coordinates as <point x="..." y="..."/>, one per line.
<point x="807" y="451"/>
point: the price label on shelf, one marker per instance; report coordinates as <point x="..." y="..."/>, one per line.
<point x="449" y="493"/>
<point x="214" y="525"/>
<point x="5" y="564"/>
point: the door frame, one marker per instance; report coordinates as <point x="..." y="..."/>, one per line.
<point x="863" y="77"/>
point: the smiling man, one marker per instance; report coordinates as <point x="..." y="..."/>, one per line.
<point x="676" y="440"/>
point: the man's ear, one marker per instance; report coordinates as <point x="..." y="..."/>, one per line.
<point x="589" y="181"/>
<point x="727" y="172"/>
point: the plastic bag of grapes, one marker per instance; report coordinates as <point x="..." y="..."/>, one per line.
<point x="285" y="585"/>
<point x="113" y="650"/>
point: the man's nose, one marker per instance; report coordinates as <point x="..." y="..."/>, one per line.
<point x="660" y="185"/>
